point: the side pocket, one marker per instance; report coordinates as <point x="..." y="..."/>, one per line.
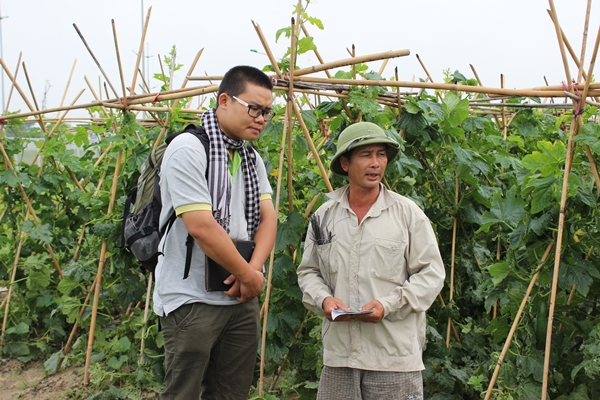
<point x="181" y="316"/>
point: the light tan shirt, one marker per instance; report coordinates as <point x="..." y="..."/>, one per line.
<point x="391" y="256"/>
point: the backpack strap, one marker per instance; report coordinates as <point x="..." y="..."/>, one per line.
<point x="200" y="134"/>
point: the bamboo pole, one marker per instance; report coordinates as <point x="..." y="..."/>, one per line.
<point x="35" y="103"/>
<point x="79" y="316"/>
<point x="122" y="78"/>
<point x="13" y="82"/>
<point x="29" y="206"/>
<point x="457" y="185"/>
<point x="10" y="286"/>
<point x="95" y="60"/>
<point x="561" y="44"/>
<point x="586" y="25"/>
<point x="146" y="312"/>
<point x="317" y="54"/>
<point x="62" y="100"/>
<point x="140" y="51"/>
<point x="576" y="121"/>
<point x="51" y="133"/>
<point x="516" y="321"/>
<point x="265" y="308"/>
<point x="101" y="261"/>
<point x="352" y="61"/>
<point x="15" y="85"/>
<point x="267" y="49"/>
<point x="576" y="60"/>
<point x="312" y="146"/>
<point x="163" y="131"/>
<point x="443" y="86"/>
<point x="439" y="96"/>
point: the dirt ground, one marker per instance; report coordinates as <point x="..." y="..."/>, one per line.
<point x="27" y="382"/>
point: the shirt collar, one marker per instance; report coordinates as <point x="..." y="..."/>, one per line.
<point x="384" y="200"/>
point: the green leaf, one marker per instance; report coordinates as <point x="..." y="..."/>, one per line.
<point x="590" y="135"/>
<point x="455" y="109"/>
<point x="499" y="271"/>
<point x="508" y="210"/>
<point x="51" y="364"/>
<point x="306" y="44"/>
<point x="42" y="233"/>
<point x="81" y="137"/>
<point x="18" y="329"/>
<point x="532" y="391"/>
<point x="290" y="232"/>
<point x="14" y="349"/>
<point x="576" y="273"/>
<point x="66" y="285"/>
<point x="544" y="191"/>
<point x="548" y="160"/>
<point x="38" y="279"/>
<point x="413" y="123"/>
<point x="532" y="364"/>
<point x="116" y="363"/>
<point x="433" y="107"/>
<point x="122" y="345"/>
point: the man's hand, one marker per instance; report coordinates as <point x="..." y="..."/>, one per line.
<point x="375" y="316"/>
<point x="234" y="291"/>
<point x="332" y="303"/>
<point x="251" y="285"/>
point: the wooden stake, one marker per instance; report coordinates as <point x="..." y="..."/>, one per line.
<point x="124" y="99"/>
<point x="516" y="321"/>
<point x="146" y="312"/>
<point x="267" y="49"/>
<point x="561" y="45"/>
<point x="95" y="60"/>
<point x="98" y="282"/>
<point x="584" y="40"/>
<point x="315" y="50"/>
<point x="352" y="61"/>
<point x="10" y="286"/>
<point x="140" y="51"/>
<point x="428" y="76"/>
<point x="457" y="185"/>
<point x="312" y="146"/>
<point x="265" y="307"/>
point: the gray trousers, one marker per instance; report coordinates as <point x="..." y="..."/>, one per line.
<point x="360" y="384"/>
<point x="210" y="350"/>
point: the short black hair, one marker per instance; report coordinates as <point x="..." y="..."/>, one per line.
<point x="235" y="80"/>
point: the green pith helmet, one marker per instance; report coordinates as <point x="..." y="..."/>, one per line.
<point x="361" y="134"/>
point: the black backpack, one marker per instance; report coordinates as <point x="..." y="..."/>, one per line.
<point x="141" y="232"/>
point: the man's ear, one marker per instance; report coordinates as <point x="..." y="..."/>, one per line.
<point x="223" y="100"/>
<point x="344" y="163"/>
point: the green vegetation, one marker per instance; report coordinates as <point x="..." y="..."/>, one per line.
<point x="507" y="211"/>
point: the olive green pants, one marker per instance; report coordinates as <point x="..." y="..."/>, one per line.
<point x="210" y="350"/>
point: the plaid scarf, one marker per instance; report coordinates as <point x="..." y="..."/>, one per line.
<point x="219" y="180"/>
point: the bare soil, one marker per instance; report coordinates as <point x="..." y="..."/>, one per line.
<point x="27" y="382"/>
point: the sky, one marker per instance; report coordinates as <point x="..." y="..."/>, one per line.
<point x="515" y="38"/>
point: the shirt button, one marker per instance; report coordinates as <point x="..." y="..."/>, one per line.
<point x="353" y="326"/>
<point x="354" y="248"/>
<point x="353" y="363"/>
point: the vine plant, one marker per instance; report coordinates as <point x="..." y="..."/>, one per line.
<point x="503" y="193"/>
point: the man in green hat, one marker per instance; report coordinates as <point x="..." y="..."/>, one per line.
<point x="372" y="268"/>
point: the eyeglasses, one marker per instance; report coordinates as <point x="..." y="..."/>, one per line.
<point x="255" y="111"/>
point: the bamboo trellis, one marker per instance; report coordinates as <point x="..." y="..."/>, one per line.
<point x="301" y="83"/>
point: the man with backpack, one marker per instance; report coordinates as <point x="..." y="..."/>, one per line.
<point x="211" y="337"/>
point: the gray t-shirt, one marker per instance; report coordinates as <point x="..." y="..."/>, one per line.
<point x="183" y="183"/>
